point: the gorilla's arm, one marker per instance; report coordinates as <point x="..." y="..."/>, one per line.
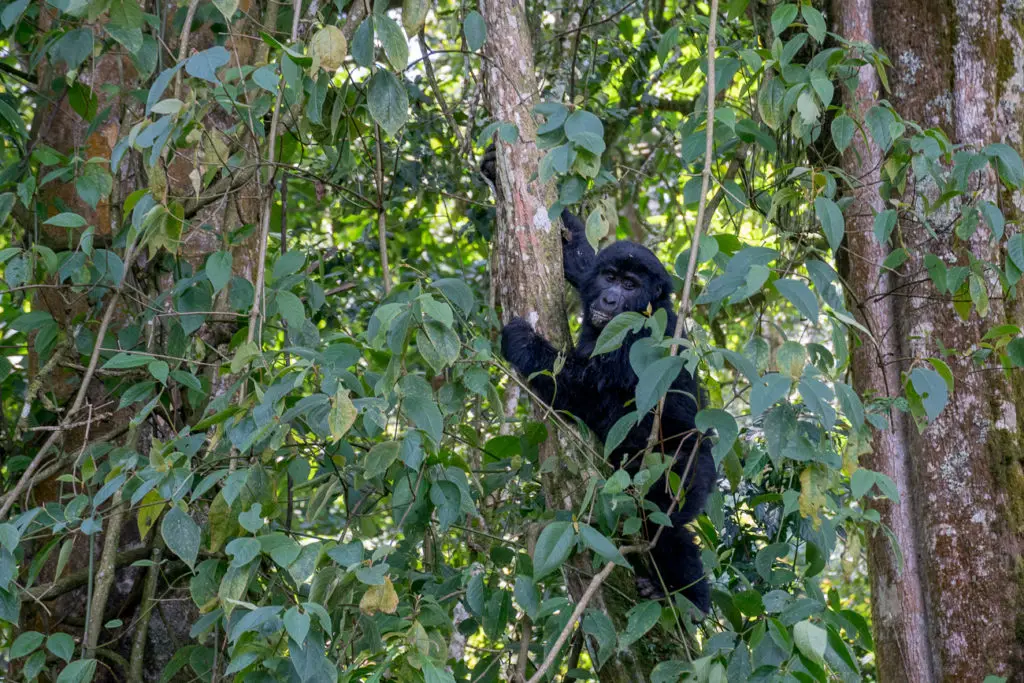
<point x="530" y="353"/>
<point x="577" y="254"/>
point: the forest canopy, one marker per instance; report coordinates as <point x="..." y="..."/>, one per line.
<point x="255" y="422"/>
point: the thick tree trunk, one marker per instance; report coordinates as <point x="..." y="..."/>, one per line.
<point x="951" y="612"/>
<point x="526" y="275"/>
<point x="111" y="78"/>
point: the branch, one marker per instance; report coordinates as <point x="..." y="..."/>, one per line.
<point x="588" y="594"/>
<point x="705" y="181"/>
<point x="70" y="582"/>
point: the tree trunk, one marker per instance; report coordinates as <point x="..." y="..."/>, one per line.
<point x="111" y="79"/>
<point x="526" y="276"/>
<point x="951" y="611"/>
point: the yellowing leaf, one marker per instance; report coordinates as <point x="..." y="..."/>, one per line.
<point x="382" y="598"/>
<point x="342" y="416"/>
<point x="152" y="505"/>
<point x="813" y="482"/>
<point x="329" y="47"/>
<point x="414" y="14"/>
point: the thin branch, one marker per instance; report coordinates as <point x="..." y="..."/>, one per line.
<point x="437" y="91"/>
<point x="382" y="235"/>
<point x="705" y="182"/>
<point x="90" y="372"/>
<point x="78" y="579"/>
<point x="105" y="575"/>
<point x="585" y="599"/>
<point x="186" y="31"/>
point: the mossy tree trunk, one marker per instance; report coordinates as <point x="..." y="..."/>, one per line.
<point x="952" y="611"/>
<point x="526" y="275"/>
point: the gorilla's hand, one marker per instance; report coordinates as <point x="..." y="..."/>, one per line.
<point x="488" y="165"/>
<point x="517" y="342"/>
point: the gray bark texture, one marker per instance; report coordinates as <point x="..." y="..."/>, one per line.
<point x="952" y="612"/>
<point x="526" y="276"/>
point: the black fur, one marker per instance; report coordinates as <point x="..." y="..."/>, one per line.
<point x="599" y="390"/>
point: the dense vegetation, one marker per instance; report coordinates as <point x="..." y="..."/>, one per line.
<point x="248" y="350"/>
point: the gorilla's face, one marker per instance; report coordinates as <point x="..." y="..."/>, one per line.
<point x="617" y="292"/>
<point x="626" y="277"/>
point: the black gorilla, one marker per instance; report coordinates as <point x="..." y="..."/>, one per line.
<point x="599" y="390"/>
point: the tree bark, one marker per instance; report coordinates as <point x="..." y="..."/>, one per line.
<point x="111" y="77"/>
<point x="952" y="611"/>
<point x="527" y="280"/>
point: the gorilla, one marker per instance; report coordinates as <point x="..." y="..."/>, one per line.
<point x="599" y="390"/>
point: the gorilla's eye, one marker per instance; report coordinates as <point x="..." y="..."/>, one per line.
<point x="608" y="277"/>
<point x="628" y="283"/>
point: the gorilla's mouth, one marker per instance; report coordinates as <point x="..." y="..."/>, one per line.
<point x="599" y="318"/>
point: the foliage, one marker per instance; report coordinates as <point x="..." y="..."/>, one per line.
<point x="326" y="457"/>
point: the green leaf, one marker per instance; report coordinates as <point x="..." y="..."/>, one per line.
<point x="614" y="333"/>
<point x="124" y="361"/>
<point x="929" y="385"/>
<point x="655" y="381"/>
<point x="297" y="624"/>
<point x="182" y="535"/>
<point x="62" y="645"/>
<point x="12" y="13"/>
<point x="801" y="296"/>
<point x="80" y="671"/>
<point x="885" y="222"/>
<point x="1015" y="250"/>
<point x="475" y="30"/>
<point x="388" y="101"/>
<point x="771" y="97"/>
<point x="32" y="321"/>
<point x="66" y="220"/>
<point x="380" y="457"/>
<point x="26" y="644"/>
<point x="226" y="8"/>
<point x="783" y="16"/>
<point x="204" y="65"/>
<point x="426" y="415"/>
<point x="242" y="550"/>
<point x="362" y="44"/>
<point x="291" y="309"/>
<point x="815" y="22"/>
<point x="619" y="431"/>
<point x="246" y="352"/>
<point x="586" y="130"/>
<point x="843" y="128"/>
<point x="553" y="547"/>
<point x="252" y="519"/>
<point x="458" y="292"/>
<point x="641" y="619"/>
<point x="724" y="424"/>
<point x="1007" y="163"/>
<point x="1015" y="352"/>
<point x="288" y="263"/>
<point x="218" y="269"/>
<point x="596" y="541"/>
<point x="159" y="370"/>
<point x="811" y="640"/>
<point x="831" y="221"/>
<point x="396" y="45"/>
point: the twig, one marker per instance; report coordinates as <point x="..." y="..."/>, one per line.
<point x="90" y="372"/>
<point x="186" y="31"/>
<point x="78" y="579"/>
<point x="437" y="91"/>
<point x="105" y="575"/>
<point x="705" y="182"/>
<point x="382" y="235"/>
<point x="588" y="594"/>
<point x="146" y="605"/>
